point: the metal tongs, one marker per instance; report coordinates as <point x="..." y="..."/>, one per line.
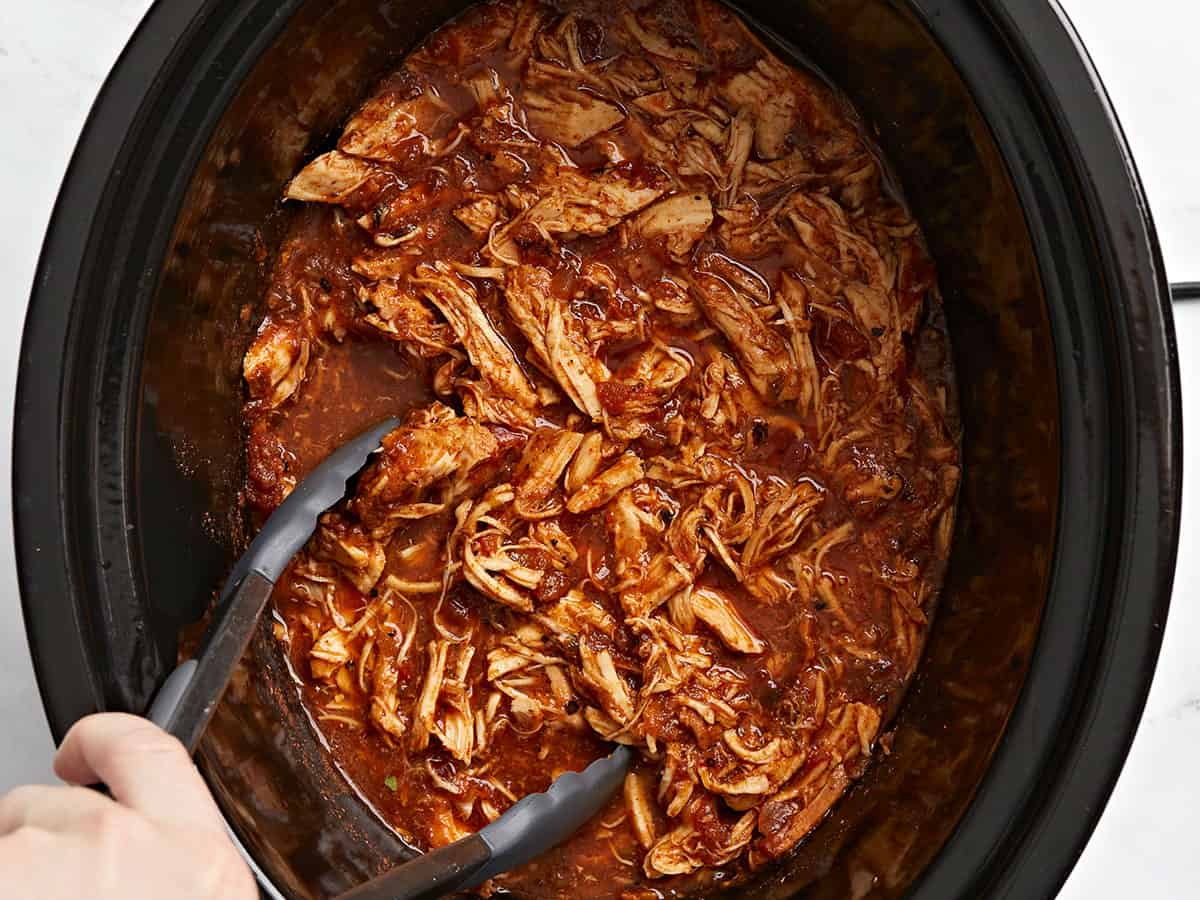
<point x="185" y="703"/>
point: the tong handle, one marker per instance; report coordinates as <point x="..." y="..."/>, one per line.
<point x="188" y="698"/>
<point x="433" y="874"/>
<point x="170" y="694"/>
<point x="533" y="825"/>
<point x="194" y="691"/>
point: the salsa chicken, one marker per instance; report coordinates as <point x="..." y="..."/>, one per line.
<point x="679" y="460"/>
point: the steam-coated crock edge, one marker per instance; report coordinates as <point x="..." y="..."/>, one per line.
<point x="1129" y="641"/>
<point x="38" y="496"/>
<point x="41" y="517"/>
<point x="992" y="853"/>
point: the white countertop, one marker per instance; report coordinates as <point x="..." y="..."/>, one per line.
<point x="53" y="57"/>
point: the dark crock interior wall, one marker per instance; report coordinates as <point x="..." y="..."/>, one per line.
<point x="310" y="831"/>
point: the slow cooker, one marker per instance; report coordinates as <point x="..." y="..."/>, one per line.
<point x="128" y="448"/>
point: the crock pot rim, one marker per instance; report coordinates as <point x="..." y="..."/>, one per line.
<point x="44" y="522"/>
<point x="1051" y="55"/>
<point x="992" y="852"/>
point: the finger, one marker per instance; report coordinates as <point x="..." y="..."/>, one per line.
<point x="31" y="865"/>
<point x="144" y="767"/>
<point x="49" y="807"/>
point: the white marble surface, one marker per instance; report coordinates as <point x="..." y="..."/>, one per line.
<point x="53" y="57"/>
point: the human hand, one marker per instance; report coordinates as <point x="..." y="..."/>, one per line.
<point x="160" y="837"/>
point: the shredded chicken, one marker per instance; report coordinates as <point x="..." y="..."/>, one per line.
<point x="679" y="457"/>
<point x="556" y="338"/>
<point x="760" y="348"/>
<point x="718" y="612"/>
<point x="275" y="364"/>
<point x="403" y="115"/>
<point x="455" y="298"/>
<point x="478" y="215"/>
<point x="572" y="204"/>
<point x="435" y="445"/>
<point x="767" y="89"/>
<point x="558" y="111"/>
<point x="398" y="313"/>
<point x="330" y="178"/>
<point x="639" y="805"/>
<point x="604" y="486"/>
<point x="682" y="219"/>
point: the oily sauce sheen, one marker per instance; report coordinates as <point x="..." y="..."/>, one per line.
<point x="679" y="458"/>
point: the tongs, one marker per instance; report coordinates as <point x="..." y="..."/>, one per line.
<point x="185" y="703"/>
